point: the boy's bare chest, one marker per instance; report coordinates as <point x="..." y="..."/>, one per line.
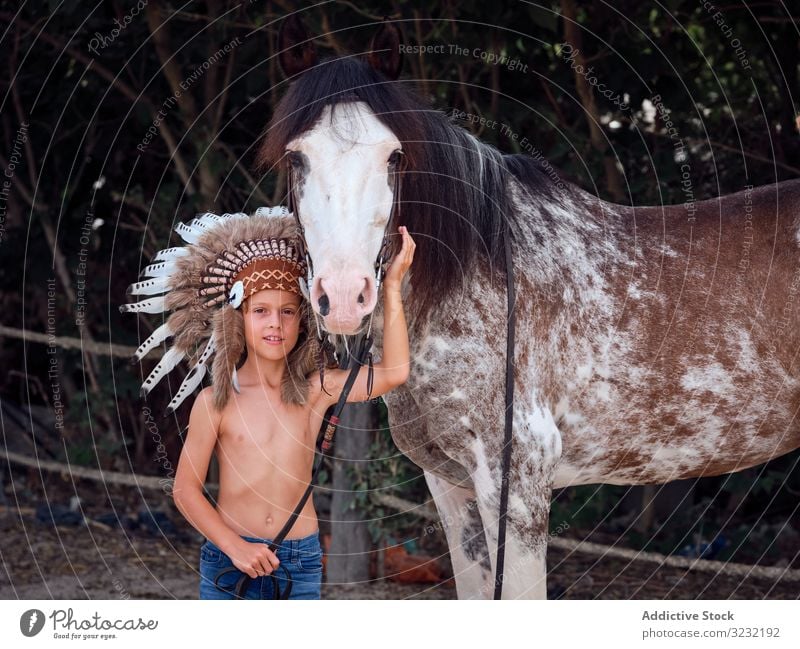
<point x="253" y="424"/>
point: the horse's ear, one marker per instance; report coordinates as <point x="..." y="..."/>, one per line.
<point x="297" y="52"/>
<point x="384" y="50"/>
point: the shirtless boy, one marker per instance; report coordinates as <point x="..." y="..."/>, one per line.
<point x="265" y="446"/>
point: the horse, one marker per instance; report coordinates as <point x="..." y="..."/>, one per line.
<point x="652" y="343"/>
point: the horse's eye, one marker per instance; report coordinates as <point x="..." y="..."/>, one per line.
<point x="396" y="156"/>
<point x="295" y="159"/>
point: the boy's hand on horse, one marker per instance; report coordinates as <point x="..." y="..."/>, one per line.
<point x="401" y="262"/>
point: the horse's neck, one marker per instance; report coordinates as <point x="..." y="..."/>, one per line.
<point x="558" y="252"/>
<point x="561" y="241"/>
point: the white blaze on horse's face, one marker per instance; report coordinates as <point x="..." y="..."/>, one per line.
<point x="344" y="196"/>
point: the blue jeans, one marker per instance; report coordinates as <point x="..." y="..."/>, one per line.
<point x="301" y="557"/>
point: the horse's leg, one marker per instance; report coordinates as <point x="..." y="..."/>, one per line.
<point x="469" y="554"/>
<point x="536" y="451"/>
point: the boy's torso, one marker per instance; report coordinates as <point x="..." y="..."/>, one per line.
<point x="265" y="451"/>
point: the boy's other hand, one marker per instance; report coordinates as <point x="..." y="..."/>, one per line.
<point x="254" y="559"/>
<point x="401" y="262"/>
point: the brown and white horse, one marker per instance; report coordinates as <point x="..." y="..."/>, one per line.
<point x="653" y="343"/>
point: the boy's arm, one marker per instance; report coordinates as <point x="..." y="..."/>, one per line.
<point x="388" y="373"/>
<point x="395" y="365"/>
<point x="191" y="474"/>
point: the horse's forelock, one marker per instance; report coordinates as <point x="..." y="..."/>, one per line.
<point x="337" y="81"/>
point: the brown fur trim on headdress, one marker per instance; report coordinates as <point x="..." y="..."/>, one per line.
<point x="299" y="364"/>
<point x="228" y="327"/>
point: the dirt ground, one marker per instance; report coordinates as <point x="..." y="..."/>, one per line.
<point x="95" y="561"/>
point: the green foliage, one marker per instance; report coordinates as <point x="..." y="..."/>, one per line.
<point x="387" y="472"/>
<point x="584" y="506"/>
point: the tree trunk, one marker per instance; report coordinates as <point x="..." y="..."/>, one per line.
<point x="349" y="555"/>
<point x="574" y="36"/>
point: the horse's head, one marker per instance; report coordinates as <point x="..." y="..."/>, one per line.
<point x="339" y="127"/>
<point x="343" y="169"/>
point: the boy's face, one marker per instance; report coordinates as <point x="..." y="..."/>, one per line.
<point x="271" y="314"/>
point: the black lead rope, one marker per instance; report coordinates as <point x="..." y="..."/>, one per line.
<point x="501" y="534"/>
<point x="324" y="448"/>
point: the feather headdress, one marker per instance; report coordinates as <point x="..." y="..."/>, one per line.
<point x="229" y="257"/>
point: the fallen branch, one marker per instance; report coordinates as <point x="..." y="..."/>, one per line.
<point x="85" y="473"/>
<point x="65" y="342"/>
<point x="113" y="477"/>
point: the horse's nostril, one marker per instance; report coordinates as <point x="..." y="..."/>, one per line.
<point x="324" y="305"/>
<point x="361" y="298"/>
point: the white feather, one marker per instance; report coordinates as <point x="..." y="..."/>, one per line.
<point x="280" y="210"/>
<point x="205" y="222"/>
<point x="169" y="254"/>
<point x="153" y="305"/>
<point x="156" y="338"/>
<point x="167" y="363"/>
<point x="188" y="233"/>
<point x="162" y="269"/>
<point x="304" y="288"/>
<point x="193" y="378"/>
<point x="150" y="286"/>
<point x="190" y="383"/>
<point x="209" y="216"/>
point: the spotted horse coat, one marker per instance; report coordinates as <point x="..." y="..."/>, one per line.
<point x="653" y="344"/>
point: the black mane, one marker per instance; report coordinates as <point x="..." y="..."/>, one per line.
<point x="455" y="195"/>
